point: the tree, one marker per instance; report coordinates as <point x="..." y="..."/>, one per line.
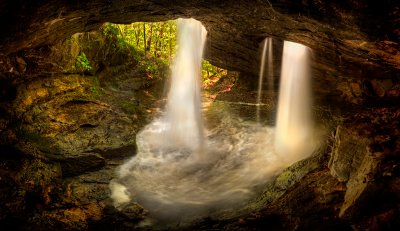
<point x="144" y="38"/>
<point x="154" y="45"/>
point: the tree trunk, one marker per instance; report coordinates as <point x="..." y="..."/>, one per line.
<point x="144" y="38"/>
<point x="170" y="43"/>
<point x="159" y="40"/>
<point x="137" y="35"/>
<point x="149" y="38"/>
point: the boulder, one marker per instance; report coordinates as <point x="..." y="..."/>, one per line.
<point x="348" y="153"/>
<point x="77" y="164"/>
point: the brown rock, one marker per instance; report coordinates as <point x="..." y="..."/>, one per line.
<point x="380" y="87"/>
<point x="345" y="45"/>
<point x="348" y="152"/>
<point x="77" y="164"/>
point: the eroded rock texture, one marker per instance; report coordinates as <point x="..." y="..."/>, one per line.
<point x="372" y="169"/>
<point x="354" y="41"/>
<point x="63" y="131"/>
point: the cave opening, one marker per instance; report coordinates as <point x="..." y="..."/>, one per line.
<point x="71" y="107"/>
<point x="172" y="181"/>
<point x="186" y="169"/>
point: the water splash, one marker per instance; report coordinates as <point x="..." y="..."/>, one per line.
<point x="174" y="186"/>
<point x="294" y="125"/>
<point x="167" y="177"/>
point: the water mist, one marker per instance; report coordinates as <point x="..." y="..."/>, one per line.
<point x="182" y="170"/>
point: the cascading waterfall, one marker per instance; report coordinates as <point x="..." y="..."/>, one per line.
<point x="181" y="170"/>
<point x="261" y="77"/>
<point x="270" y="73"/>
<point x="184" y="98"/>
<point x="293" y="139"/>
<point x="177" y="135"/>
<point x="267" y="47"/>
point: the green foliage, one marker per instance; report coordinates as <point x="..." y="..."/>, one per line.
<point x="154" y="45"/>
<point x="211" y="74"/>
<point x="131" y="107"/>
<point x="43" y="143"/>
<point x="110" y="30"/>
<point x="95" y="88"/>
<point x="82" y="64"/>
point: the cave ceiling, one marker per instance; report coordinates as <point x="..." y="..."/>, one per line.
<point x="347" y="34"/>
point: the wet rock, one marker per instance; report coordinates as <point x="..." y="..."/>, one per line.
<point x="21" y="64"/>
<point x="115" y="219"/>
<point x="370" y="192"/>
<point x="64" y="123"/>
<point x="133" y="211"/>
<point x="86" y="193"/>
<point x="360" y="182"/>
<point x="289" y="177"/>
<point x="348" y="152"/>
<point x="310" y="204"/>
<point x="347" y="48"/>
<point x="77" y="164"/>
<point x="51" y="117"/>
<point x="120" y="153"/>
<point x="393" y="93"/>
<point x="381" y="86"/>
<point x="26" y="185"/>
<point x="63" y="115"/>
<point x="75" y="218"/>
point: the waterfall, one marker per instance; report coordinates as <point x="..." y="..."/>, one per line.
<point x="267" y="46"/>
<point x="261" y="77"/>
<point x="184" y="99"/>
<point x="181" y="171"/>
<point x="270" y="73"/>
<point x="294" y="124"/>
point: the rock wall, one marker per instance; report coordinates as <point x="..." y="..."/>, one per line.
<point x="63" y="130"/>
<point x="355" y="42"/>
<point x="366" y="156"/>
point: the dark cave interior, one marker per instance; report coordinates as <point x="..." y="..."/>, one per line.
<point x="63" y="134"/>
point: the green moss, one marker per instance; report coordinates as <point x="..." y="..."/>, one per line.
<point x="285" y="179"/>
<point x="131" y="107"/>
<point x="44" y="144"/>
<point x="82" y="63"/>
<point x="96" y="91"/>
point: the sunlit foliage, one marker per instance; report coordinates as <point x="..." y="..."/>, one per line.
<point x="155" y="45"/>
<point x="82" y="64"/>
<point x="211" y="74"/>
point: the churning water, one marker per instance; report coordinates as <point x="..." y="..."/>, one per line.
<point x="174" y="183"/>
<point x="182" y="169"/>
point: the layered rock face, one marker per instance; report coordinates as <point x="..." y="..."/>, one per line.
<point x="355" y="43"/>
<point x="64" y="131"/>
<point x="353" y="28"/>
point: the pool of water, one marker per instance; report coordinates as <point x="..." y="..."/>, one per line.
<point x="175" y="183"/>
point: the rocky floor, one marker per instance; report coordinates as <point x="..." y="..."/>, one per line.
<point x="72" y="133"/>
<point x="76" y="130"/>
